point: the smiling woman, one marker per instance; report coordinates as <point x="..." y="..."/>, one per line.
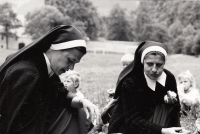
<point x="141" y="89"/>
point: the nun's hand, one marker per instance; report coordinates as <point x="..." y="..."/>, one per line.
<point x="170" y="98"/>
<point x="91" y="110"/>
<point x="172" y="130"/>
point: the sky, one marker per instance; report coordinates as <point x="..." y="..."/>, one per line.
<point x="22" y="7"/>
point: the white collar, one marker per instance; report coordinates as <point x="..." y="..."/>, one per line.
<point x="50" y="72"/>
<point x="152" y="83"/>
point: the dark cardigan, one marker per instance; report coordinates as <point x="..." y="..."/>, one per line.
<point x="137" y="102"/>
<point x="30" y="101"/>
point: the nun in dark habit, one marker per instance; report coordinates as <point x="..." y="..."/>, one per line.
<point x="31" y="94"/>
<point x="147" y="95"/>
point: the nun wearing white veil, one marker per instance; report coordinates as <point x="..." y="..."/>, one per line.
<point x="147" y="95"/>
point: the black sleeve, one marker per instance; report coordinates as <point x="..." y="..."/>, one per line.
<point x="17" y="88"/>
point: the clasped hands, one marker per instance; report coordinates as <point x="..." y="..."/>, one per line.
<point x="170" y="97"/>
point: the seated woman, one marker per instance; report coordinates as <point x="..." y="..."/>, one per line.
<point x="147" y="95"/>
<point x="71" y="121"/>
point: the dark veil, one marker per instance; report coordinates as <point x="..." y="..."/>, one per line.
<point x="40" y="45"/>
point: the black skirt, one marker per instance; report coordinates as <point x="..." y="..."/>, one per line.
<point x="71" y="121"/>
<point x="165" y="116"/>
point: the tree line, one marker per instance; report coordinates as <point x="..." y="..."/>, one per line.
<point x="175" y="23"/>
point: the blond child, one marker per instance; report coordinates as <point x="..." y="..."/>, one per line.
<point x="188" y="94"/>
<point x="71" y="80"/>
<point x="127" y="59"/>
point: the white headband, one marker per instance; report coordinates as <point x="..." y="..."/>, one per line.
<point x="153" y="48"/>
<point x="69" y="44"/>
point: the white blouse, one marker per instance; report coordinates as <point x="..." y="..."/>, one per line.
<point x="152" y="83"/>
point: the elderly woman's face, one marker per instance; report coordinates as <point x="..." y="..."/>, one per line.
<point x="153" y="66"/>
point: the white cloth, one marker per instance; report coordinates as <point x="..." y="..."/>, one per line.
<point x="152" y="83"/>
<point x="79" y="94"/>
<point x="153" y="48"/>
<point x="68" y="44"/>
<point x="191" y="98"/>
<point x="50" y="71"/>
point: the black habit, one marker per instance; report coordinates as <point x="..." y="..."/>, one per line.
<point x="141" y="110"/>
<point x="30" y="101"/>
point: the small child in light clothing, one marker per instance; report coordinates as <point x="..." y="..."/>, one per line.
<point x="127" y="59"/>
<point x="71" y="80"/>
<point x="108" y="110"/>
<point x="188" y="94"/>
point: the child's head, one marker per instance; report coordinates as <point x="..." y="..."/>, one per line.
<point x="186" y="79"/>
<point x="127" y="59"/>
<point x="71" y="80"/>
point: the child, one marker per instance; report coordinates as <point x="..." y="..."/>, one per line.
<point x="71" y="81"/>
<point x="188" y="94"/>
<point x="110" y="107"/>
<point x="76" y="117"/>
<point x="127" y="59"/>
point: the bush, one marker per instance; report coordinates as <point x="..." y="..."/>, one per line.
<point x="189" y="43"/>
<point x="155" y="32"/>
<point x="178" y="44"/>
<point x="195" y="50"/>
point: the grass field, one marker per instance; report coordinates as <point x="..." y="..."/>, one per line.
<point x="99" y="73"/>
